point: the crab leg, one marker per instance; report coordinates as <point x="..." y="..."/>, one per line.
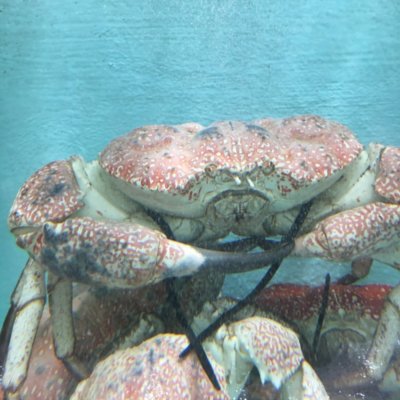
<point x="386" y="336"/>
<point x="27" y="306"/>
<point x="390" y="381"/>
<point x="60" y="305"/>
<point x="385" y="341"/>
<point x="304" y="384"/>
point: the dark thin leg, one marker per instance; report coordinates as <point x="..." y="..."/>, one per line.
<point x="321" y="317"/>
<point x="294" y="229"/>
<point x="240" y="245"/>
<point x="196" y="345"/>
<point x="160" y="221"/>
<point x="232" y="311"/>
<point x="180" y="315"/>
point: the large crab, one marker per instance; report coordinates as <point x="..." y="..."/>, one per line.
<point x="90" y="222"/>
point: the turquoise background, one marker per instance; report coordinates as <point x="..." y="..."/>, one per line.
<point x="73" y="75"/>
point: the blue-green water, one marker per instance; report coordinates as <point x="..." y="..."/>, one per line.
<point x="75" y="74"/>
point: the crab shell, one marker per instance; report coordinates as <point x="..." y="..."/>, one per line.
<point x="269" y="165"/>
<point x="152" y="370"/>
<point x="300" y="302"/>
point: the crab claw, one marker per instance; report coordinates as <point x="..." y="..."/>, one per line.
<point x="275" y="351"/>
<point x="118" y="254"/>
<point x="152" y="370"/>
<point x="363" y="231"/>
<point x="50" y="194"/>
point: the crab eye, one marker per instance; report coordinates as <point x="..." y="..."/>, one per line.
<point x="210" y="169"/>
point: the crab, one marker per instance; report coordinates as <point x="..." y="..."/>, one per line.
<point x="99" y="223"/>
<point x="132" y="372"/>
